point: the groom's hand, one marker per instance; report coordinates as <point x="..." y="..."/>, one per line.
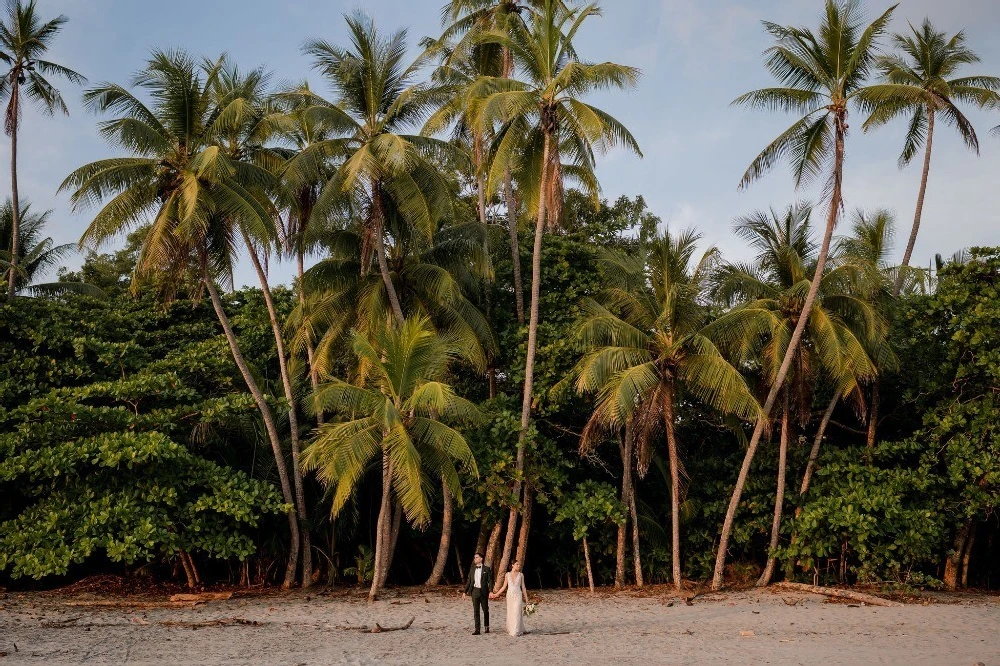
<point x="464" y="595"/>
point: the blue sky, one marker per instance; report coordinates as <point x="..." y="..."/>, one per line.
<point x="696" y="56"/>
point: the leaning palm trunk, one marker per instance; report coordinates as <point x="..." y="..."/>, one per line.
<point x="814" y="452"/>
<point x="382" y="529"/>
<point x="840" y="121"/>
<point x="529" y="363"/>
<point x="442" y="555"/>
<point x="515" y="252"/>
<point x="269" y="425"/>
<point x="779" y="498"/>
<point x="626" y="454"/>
<point x="897" y="286"/>
<point x="675" y="490"/>
<point x="522" y="539"/>
<point x="383" y="265"/>
<point x="293" y="420"/>
<point x="310" y="352"/>
<point x="15" y="235"/>
<point x="908" y="253"/>
<point x="636" y="553"/>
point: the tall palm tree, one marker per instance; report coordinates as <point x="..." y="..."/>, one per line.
<point x="201" y="200"/>
<point x="38" y="254"/>
<point x="384" y="171"/>
<point x="394" y="413"/>
<point x="920" y="83"/>
<point x="465" y="21"/>
<point x="303" y="120"/>
<point x="769" y="294"/>
<point x="24" y="40"/>
<point x="543" y="119"/>
<point x="243" y="128"/>
<point x="864" y="273"/>
<point x="645" y="349"/>
<point x="822" y="74"/>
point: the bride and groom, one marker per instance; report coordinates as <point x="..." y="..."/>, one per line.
<point x="478" y="586"/>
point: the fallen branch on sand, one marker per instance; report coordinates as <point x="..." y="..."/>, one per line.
<point x="222" y="622"/>
<point x="869" y="599"/>
<point x="202" y="596"/>
<point x="132" y="604"/>
<point x="378" y="628"/>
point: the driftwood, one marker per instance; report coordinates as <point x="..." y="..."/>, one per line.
<point x="861" y="597"/>
<point x="202" y="596"/>
<point x="222" y="622"/>
<point x="379" y="629"/>
<point x="132" y="604"/>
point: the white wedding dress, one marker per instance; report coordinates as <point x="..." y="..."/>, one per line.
<point x="515" y="604"/>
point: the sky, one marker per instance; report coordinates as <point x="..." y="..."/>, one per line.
<point x="696" y="57"/>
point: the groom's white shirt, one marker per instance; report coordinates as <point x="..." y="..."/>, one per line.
<point x="477" y="577"/>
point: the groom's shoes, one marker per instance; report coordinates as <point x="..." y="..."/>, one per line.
<point x="487" y="630"/>
<point x="476" y="632"/>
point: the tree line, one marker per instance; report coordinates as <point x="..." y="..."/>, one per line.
<point x="387" y="380"/>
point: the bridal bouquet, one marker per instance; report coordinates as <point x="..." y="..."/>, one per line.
<point x="530" y="609"/>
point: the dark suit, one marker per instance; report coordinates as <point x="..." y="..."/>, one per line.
<point x="480" y="595"/>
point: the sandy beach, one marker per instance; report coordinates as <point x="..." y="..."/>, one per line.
<point x="571" y="627"/>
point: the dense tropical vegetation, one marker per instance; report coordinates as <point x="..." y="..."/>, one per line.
<point x="478" y="353"/>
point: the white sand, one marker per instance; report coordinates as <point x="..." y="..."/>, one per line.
<point x="570" y="628"/>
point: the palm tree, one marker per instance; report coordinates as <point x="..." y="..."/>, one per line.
<point x="645" y="349"/>
<point x="24" y="40"/>
<point x="37" y="254"/>
<point x="865" y="274"/>
<point x="546" y="109"/>
<point x="242" y="126"/>
<point x="201" y="200"/>
<point x="465" y="21"/>
<point x="384" y="171"/>
<point x="393" y="413"/>
<point x="920" y="84"/>
<point x="305" y="119"/>
<point x="822" y="73"/>
<point x="770" y="293"/>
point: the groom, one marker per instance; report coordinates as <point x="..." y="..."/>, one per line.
<point x="479" y="584"/>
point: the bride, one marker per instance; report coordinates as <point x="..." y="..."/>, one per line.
<point x="517" y="596"/>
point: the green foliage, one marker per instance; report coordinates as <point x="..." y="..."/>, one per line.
<point x="893" y="510"/>
<point x="116" y="414"/>
<point x="590" y="505"/>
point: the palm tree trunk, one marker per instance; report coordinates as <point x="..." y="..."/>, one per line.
<point x="636" y="552"/>
<point x="529" y="363"/>
<point x="383" y="265"/>
<point x="442" y="555"/>
<point x="814" y="452"/>
<point x="779" y="497"/>
<point x="515" y="252"/>
<point x="522" y="539"/>
<point x="871" y="432"/>
<point x="590" y="571"/>
<point x="394" y="530"/>
<point x="15" y="230"/>
<point x="293" y="419"/>
<point x="897" y="286"/>
<point x="511" y="203"/>
<point x="491" y="546"/>
<point x="313" y="375"/>
<point x="793" y="345"/>
<point x="675" y="490"/>
<point x="382" y="528"/>
<point x="626" y="456"/>
<point x="908" y="253"/>
<point x="269" y="426"/>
